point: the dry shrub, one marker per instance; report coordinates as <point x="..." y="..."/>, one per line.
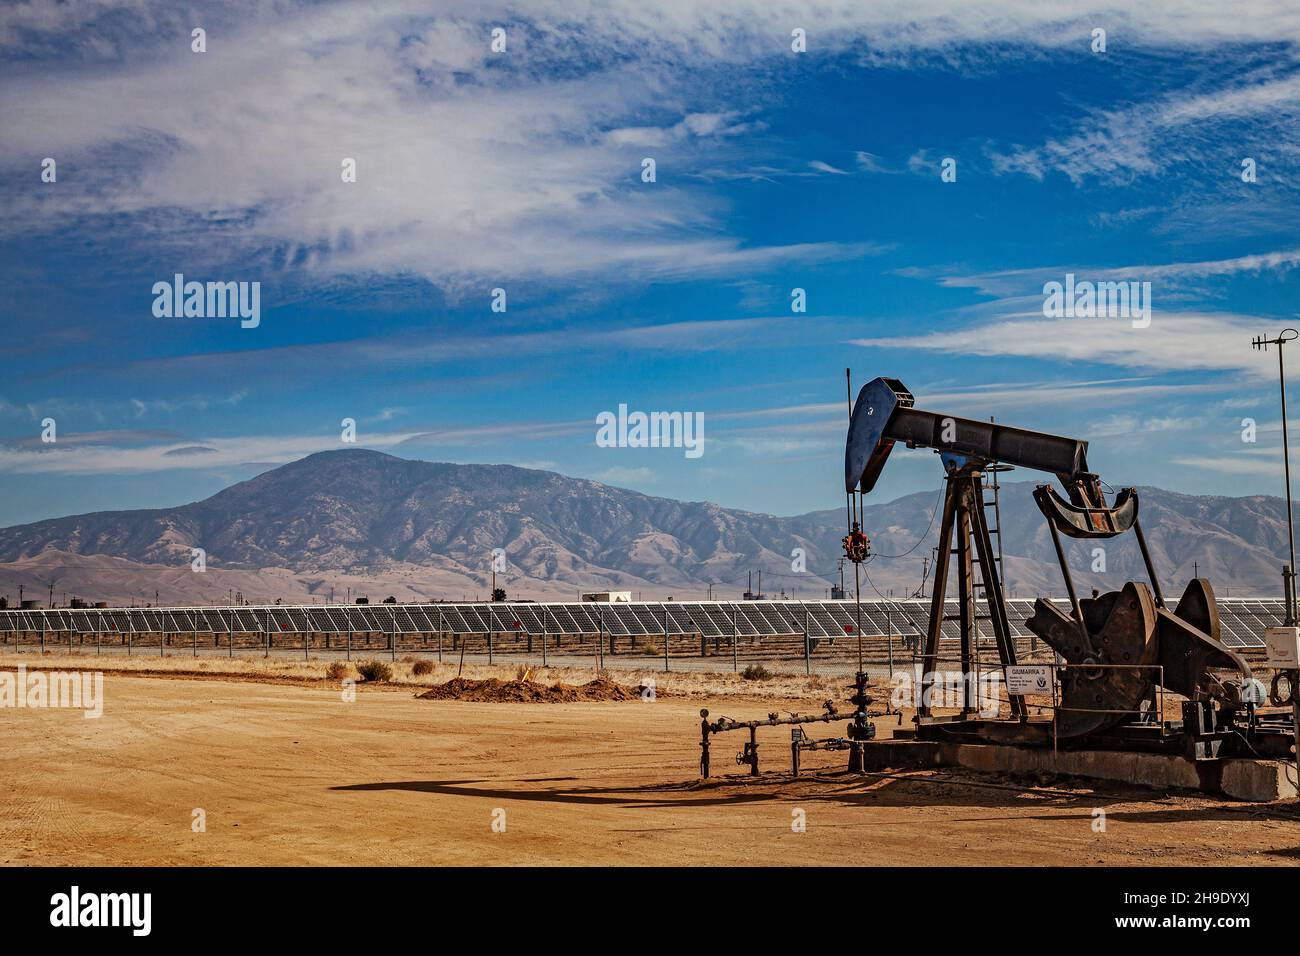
<point x="337" y="670"/>
<point x="374" y="671"/>
<point x="420" y="668"/>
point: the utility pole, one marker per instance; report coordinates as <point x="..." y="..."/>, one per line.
<point x="925" y="573"/>
<point x="1288" y="573"/>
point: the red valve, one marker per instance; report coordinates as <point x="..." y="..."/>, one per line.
<point x="857" y="546"/>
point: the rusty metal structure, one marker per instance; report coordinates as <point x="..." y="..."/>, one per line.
<point x="1115" y="651"/>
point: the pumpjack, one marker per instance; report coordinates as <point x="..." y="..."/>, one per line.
<point x="1114" y="650"/>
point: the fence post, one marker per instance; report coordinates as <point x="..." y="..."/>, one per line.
<point x="665" y="638"/>
<point x="889" y="633"/>
<point x="230" y="632"/>
<point x="545" y="611"/>
<point x="807" y="648"/>
<point x="440" y="635"/>
<point x="735" y="636"/>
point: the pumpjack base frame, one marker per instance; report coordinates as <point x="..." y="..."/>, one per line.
<point x="1239" y="778"/>
<point x="1270" y="735"/>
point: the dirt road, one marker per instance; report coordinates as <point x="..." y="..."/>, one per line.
<point x="288" y="774"/>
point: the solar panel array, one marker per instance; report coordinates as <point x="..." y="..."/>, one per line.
<point x="710" y="619"/>
<point x="1242" y="620"/>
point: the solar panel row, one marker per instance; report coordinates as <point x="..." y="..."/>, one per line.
<point x="1242" y="620"/>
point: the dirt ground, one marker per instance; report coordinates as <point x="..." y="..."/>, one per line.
<point x="285" y="770"/>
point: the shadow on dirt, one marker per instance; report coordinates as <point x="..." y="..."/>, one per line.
<point x="625" y="796"/>
<point x="1056" y="799"/>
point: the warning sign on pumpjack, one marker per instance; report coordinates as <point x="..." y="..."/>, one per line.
<point x="1029" y="679"/>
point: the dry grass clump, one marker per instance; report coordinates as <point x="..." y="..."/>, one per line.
<point x="375" y="671"/>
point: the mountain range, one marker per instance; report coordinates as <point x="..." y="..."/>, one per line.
<point x="362" y="522"/>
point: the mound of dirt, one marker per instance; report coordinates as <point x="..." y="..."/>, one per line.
<point x="527" y="691"/>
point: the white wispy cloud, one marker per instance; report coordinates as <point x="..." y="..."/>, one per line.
<point x="1174" y="341"/>
<point x="105" y="410"/>
<point x="1073" y="394"/>
<point x="622" y="475"/>
<point x="77" y="458"/>
<point x="473" y="164"/>
<point x="1237" y="464"/>
<point x="1151" y="137"/>
<point x="1028" y="281"/>
<point x="127" y="451"/>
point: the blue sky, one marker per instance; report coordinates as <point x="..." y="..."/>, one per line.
<point x="521" y="170"/>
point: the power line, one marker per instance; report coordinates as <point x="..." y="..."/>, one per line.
<point x="920" y="540"/>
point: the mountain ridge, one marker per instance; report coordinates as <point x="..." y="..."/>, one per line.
<point x="432" y="526"/>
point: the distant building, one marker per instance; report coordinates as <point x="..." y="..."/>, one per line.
<point x="608" y="597"/>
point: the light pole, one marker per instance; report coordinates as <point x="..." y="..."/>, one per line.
<point x="1288" y="573"/>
